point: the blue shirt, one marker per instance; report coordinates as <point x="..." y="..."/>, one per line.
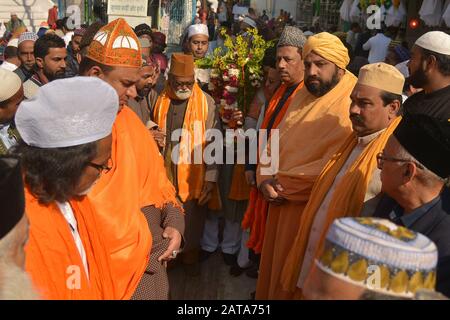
<point x="397" y="214"/>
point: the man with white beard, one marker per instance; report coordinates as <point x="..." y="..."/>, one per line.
<point x="14" y="281"/>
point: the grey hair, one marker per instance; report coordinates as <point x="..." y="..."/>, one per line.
<point x="425" y="176"/>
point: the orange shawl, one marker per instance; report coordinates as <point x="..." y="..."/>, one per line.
<point x="190" y="170"/>
<point x="256" y="213"/>
<point x="137" y="179"/>
<point x="347" y="200"/>
<point x="53" y="260"/>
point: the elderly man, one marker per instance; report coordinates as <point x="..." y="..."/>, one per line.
<point x="290" y="67"/>
<point x="135" y="202"/>
<point x="364" y="257"/>
<point x="350" y="181"/>
<point x="15" y="284"/>
<point x="50" y="53"/>
<point x="414" y="168"/>
<point x="429" y="68"/>
<point x="11" y="95"/>
<point x="61" y="160"/>
<point x="184" y="105"/>
<point x="314" y="126"/>
<point x="26" y="55"/>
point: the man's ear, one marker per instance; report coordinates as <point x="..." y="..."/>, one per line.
<point x="40" y="63"/>
<point x="95" y="71"/>
<point x="409" y="171"/>
<point x="394" y="109"/>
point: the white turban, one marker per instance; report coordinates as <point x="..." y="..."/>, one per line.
<point x="68" y="112"/>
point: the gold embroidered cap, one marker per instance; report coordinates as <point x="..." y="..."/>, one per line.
<point x="116" y="44"/>
<point x="380" y="256"/>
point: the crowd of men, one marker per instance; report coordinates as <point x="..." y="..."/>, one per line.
<point x="95" y="205"/>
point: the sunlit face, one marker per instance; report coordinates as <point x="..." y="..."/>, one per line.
<point x="26" y="54"/>
<point x="9" y="107"/>
<point x="181" y="86"/>
<point x="198" y="45"/>
<point x="124" y="80"/>
<point x="54" y="63"/>
<point x="367" y="111"/>
<point x="146" y="81"/>
<point x="321" y="75"/>
<point x="93" y="172"/>
<point x="290" y="65"/>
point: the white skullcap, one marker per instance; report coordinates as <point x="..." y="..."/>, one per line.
<point x="13" y="43"/>
<point x="68" y="112"/>
<point x="355" y="248"/>
<point x="436" y="41"/>
<point x="196" y="29"/>
<point x="250" y="22"/>
<point x="27" y="36"/>
<point x="10" y="84"/>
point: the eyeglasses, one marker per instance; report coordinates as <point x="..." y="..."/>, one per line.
<point x="381" y="158"/>
<point x="105" y="168"/>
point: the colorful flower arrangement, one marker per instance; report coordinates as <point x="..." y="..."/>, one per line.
<point x="236" y="73"/>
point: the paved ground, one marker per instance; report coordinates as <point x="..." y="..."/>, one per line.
<point x="214" y="283"/>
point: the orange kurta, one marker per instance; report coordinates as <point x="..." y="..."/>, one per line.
<point x="310" y="133"/>
<point x="53" y="260"/>
<point x="137" y="179"/>
<point x="256" y="213"/>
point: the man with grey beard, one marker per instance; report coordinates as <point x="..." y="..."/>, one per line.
<point x="183" y="105"/>
<point x="15" y="283"/>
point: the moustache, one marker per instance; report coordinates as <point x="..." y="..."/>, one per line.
<point x="356" y="118"/>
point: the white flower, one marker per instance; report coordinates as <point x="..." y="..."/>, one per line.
<point x="234" y="72"/>
<point x="211" y="86"/>
<point x="231" y="89"/>
<point x="223" y="102"/>
<point x="226" y="78"/>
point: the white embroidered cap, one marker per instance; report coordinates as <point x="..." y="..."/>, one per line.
<point x="196" y="29"/>
<point x="436" y="41"/>
<point x="10" y="84"/>
<point x="68" y="112"/>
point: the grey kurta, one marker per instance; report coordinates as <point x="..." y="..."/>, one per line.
<point x="195" y="215"/>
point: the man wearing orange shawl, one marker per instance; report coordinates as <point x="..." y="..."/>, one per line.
<point x="185" y="113"/>
<point x="128" y="195"/>
<point x="66" y="256"/>
<point x="290" y="68"/>
<point x="350" y="181"/>
<point x="315" y="125"/>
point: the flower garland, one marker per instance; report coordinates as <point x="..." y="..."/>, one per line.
<point x="236" y="73"/>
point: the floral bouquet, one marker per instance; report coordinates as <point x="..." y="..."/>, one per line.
<point x="236" y="73"/>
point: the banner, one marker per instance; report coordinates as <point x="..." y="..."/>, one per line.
<point x="134" y="8"/>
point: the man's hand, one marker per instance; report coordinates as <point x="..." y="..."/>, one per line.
<point x="238" y="116"/>
<point x="174" y="244"/>
<point x="206" y="194"/>
<point x="250" y="177"/>
<point x="159" y="136"/>
<point x="270" y="188"/>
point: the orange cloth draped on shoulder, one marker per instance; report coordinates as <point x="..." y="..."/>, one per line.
<point x="347" y="200"/>
<point x="310" y="133"/>
<point x="190" y="167"/>
<point x="256" y="213"/>
<point x="53" y="260"/>
<point x="137" y="179"/>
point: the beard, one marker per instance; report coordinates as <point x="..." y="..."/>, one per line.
<point x="55" y="76"/>
<point x="15" y="284"/>
<point x="183" y="94"/>
<point x="321" y="88"/>
<point x="417" y="79"/>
